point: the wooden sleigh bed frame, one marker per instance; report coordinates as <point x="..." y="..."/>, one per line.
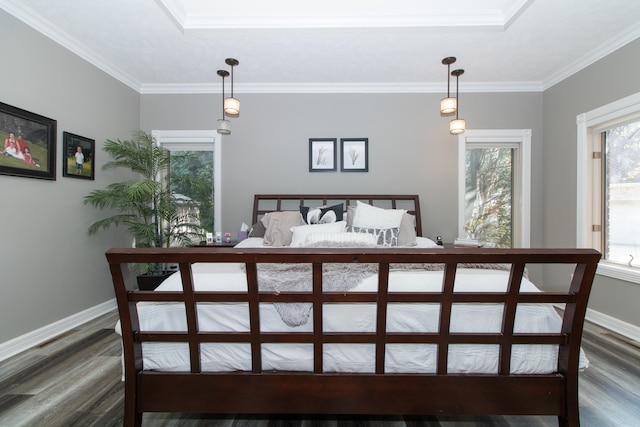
<point x="266" y="392"/>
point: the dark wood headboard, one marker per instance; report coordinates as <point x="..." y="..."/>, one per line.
<point x="264" y="203"/>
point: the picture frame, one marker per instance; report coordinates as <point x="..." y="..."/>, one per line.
<point x="28" y="143"/>
<point x="71" y="168"/>
<point x="354" y="154"/>
<point x="323" y="154"/>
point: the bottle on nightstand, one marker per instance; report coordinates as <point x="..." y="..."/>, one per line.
<point x="460" y="242"/>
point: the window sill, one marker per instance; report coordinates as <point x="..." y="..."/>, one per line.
<point x="617" y="271"/>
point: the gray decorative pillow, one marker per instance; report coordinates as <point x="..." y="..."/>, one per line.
<point x="351" y="212"/>
<point x="278" y="227"/>
<point x="384" y="236"/>
<point x="257" y="230"/>
<point x="407" y="234"/>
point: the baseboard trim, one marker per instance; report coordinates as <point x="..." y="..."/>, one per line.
<point x="616" y="325"/>
<point x="31" y="339"/>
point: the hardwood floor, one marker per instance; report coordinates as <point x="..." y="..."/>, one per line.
<point x="74" y="380"/>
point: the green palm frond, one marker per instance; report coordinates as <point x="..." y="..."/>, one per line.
<point x="146" y="207"/>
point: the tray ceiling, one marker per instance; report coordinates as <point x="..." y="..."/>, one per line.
<point x="169" y="46"/>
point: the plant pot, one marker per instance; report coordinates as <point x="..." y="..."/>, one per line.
<point x="148" y="282"/>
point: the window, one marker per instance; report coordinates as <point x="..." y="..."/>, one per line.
<point x="620" y="186"/>
<point x="196" y="152"/>
<point x="609" y="186"/>
<point x="191" y="181"/>
<point x="494" y="187"/>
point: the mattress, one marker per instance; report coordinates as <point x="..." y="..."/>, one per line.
<point x="352" y="317"/>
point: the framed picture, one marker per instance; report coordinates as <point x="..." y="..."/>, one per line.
<point x="354" y="154"/>
<point x="322" y="154"/>
<point x="28" y="144"/>
<point x="79" y="155"/>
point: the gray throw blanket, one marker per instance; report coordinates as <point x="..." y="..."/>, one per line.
<point x="335" y="278"/>
<point x="440" y="267"/>
<point x="299" y="277"/>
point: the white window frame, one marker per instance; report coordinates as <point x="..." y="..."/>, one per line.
<point x="502" y="138"/>
<point x="589" y="127"/>
<point x="198" y="140"/>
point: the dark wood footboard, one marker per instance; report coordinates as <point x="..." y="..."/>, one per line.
<point x="317" y="392"/>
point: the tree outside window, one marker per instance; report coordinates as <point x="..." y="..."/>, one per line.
<point x="186" y="165"/>
<point x="489" y="195"/>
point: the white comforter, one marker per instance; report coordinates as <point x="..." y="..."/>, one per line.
<point x="353" y="318"/>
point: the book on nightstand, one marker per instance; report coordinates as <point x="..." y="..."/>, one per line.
<point x="466" y="243"/>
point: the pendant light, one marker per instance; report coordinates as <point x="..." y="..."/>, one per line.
<point x="448" y="105"/>
<point x="224" y="126"/>
<point x="457" y="125"/>
<point x="231" y="105"/>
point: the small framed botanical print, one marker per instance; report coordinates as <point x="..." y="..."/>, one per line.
<point x="322" y="155"/>
<point x="354" y="154"/>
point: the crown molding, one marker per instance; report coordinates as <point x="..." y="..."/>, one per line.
<point x="62" y="38"/>
<point x="487" y="22"/>
<point x="206" y="88"/>
<point x="594" y="55"/>
<point x="209" y="16"/>
<point x="514" y="10"/>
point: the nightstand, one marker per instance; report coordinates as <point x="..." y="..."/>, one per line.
<point x="217" y="245"/>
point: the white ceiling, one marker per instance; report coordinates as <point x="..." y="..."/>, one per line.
<point x="176" y="46"/>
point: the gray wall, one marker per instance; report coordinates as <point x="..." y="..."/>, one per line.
<point x="51" y="269"/>
<point x="410" y="150"/>
<point x="610" y="79"/>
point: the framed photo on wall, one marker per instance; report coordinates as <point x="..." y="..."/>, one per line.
<point x="28" y="143"/>
<point x="354" y="154"/>
<point x="79" y="155"/>
<point x="322" y="154"/>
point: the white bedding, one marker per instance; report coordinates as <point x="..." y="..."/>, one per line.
<point x="353" y="318"/>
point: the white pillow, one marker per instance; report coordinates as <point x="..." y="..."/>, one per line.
<point x="425" y="242"/>
<point x="301" y="232"/>
<point x="251" y="242"/>
<point x="364" y="239"/>
<point x="368" y="216"/>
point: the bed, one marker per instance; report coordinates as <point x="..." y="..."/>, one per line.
<point x="368" y="327"/>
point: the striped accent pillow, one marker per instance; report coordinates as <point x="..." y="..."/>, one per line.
<point x="363" y="239"/>
<point x="383" y="236"/>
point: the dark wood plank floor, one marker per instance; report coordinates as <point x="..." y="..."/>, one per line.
<point x="74" y="380"/>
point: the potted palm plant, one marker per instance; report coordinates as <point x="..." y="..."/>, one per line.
<point x="147" y="207"/>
